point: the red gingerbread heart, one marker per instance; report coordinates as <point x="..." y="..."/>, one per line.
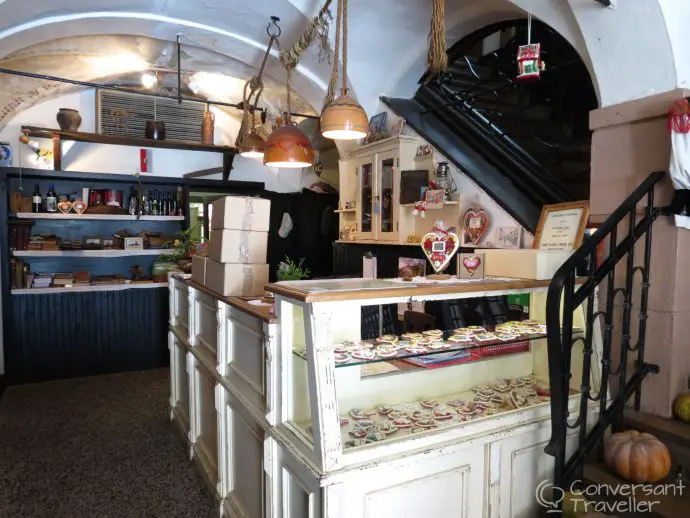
<point x="476" y="223"/>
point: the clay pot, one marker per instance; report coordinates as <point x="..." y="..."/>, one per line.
<point x="68" y="119"/>
<point x="155" y="130"/>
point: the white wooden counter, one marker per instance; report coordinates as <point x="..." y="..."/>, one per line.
<point x="243" y="393"/>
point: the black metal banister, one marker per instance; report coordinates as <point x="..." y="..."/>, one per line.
<point x="565" y="296"/>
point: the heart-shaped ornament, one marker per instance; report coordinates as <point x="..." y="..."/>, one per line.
<point x="65" y="206"/>
<point x="439" y="248"/>
<point x="79" y="206"/>
<point x="471" y="263"/>
<point x="476" y="223"/>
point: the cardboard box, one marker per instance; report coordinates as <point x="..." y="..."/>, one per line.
<point x="241" y="213"/>
<point x="238" y="246"/>
<point x="199" y="269"/>
<point x="523" y="263"/>
<point x="236" y="280"/>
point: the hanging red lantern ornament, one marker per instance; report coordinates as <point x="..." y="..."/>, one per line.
<point x="529" y="61"/>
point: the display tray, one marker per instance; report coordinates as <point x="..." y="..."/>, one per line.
<point x="361" y="427"/>
<point x="446" y="348"/>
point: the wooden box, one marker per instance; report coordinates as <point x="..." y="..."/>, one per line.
<point x="523" y="263"/>
<point x="238" y="246"/>
<point x="241" y="213"/>
<point x="236" y="280"/>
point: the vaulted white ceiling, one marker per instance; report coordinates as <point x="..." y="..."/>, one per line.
<point x="636" y="49"/>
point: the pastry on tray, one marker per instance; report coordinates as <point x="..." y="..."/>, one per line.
<point x="432" y="332"/>
<point x="387" y="339"/>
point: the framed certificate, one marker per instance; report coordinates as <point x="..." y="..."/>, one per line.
<point x="562" y="226"/>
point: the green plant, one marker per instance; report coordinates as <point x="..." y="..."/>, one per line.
<point x="182" y="247"/>
<point x="289" y="270"/>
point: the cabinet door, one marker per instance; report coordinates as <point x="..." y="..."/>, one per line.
<point x="364" y="171"/>
<point x="386" y="196"/>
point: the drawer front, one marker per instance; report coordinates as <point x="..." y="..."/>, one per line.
<point x="204" y="418"/>
<point x="179" y="382"/>
<point x="242" y="450"/>
<point x="179" y="304"/>
<point x="204" y="332"/>
<point x="247" y="360"/>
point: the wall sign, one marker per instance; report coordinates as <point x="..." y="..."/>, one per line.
<point x="561" y="226"/>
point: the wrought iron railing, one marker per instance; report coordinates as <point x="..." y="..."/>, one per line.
<point x="567" y="292"/>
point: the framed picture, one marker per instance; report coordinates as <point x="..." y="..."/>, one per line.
<point x="434" y="199"/>
<point x="509" y="237"/>
<point x="134" y="243"/>
<point x="377" y="127"/>
<point x="409" y="267"/>
<point x="562" y="226"/>
<point x="397" y="128"/>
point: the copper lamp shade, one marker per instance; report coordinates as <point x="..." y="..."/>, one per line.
<point x="344" y="119"/>
<point x="254" y="146"/>
<point x="288" y="147"/>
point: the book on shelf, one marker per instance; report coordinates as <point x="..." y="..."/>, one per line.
<point x="82" y="278"/>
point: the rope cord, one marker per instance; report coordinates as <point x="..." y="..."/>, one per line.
<point x="437" y="59"/>
<point x="343" y="89"/>
<point x="318" y="26"/>
<point x="333" y="81"/>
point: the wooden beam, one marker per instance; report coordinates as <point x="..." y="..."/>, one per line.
<point x="203" y="172"/>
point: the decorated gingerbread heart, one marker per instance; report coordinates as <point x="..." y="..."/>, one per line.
<point x="439" y="248"/>
<point x="476" y="223"/>
<point x="79" y="206"/>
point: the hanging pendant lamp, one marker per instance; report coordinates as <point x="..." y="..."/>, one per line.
<point x="287" y="146"/>
<point x="344" y="118"/>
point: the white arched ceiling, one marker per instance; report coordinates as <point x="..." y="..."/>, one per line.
<point x="91" y="59"/>
<point x="628" y="49"/>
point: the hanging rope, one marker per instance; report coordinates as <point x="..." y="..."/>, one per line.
<point x="437" y="59"/>
<point x="333" y="81"/>
<point x="318" y="27"/>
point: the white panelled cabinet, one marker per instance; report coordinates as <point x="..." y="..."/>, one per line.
<point x="269" y="416"/>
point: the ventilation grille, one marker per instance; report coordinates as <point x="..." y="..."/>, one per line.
<point x="124" y="115"/>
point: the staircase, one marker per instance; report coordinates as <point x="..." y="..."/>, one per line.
<point x="619" y="234"/>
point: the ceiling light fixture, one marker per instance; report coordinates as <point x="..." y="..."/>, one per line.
<point x="344" y="118"/>
<point x="149" y="80"/>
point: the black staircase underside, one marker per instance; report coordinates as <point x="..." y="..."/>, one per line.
<point x="518" y="187"/>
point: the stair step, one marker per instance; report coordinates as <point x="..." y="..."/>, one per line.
<point x="663" y="428"/>
<point x="665" y="504"/>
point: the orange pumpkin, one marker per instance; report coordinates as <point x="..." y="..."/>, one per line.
<point x="637" y="457"/>
<point x="681" y="407"/>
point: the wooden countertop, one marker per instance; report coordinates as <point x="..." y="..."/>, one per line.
<point x="332" y="290"/>
<point x="241" y="303"/>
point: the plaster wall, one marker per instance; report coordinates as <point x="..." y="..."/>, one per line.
<point x="629" y="142"/>
<point x="99" y="158"/>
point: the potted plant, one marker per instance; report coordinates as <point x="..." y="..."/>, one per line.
<point x="289" y="270"/>
<point x="179" y="251"/>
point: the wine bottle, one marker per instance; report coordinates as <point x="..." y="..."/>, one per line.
<point x="173" y="205"/>
<point x="51" y="199"/>
<point x="155" y="209"/>
<point x="164" y="205"/>
<point x="132" y="202"/>
<point x="180" y="202"/>
<point x="36" y="200"/>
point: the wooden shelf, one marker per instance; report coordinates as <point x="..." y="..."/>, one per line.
<point x="96" y="138"/>
<point x="89" y="288"/>
<point x="88" y="253"/>
<point x="452" y="202"/>
<point x="118" y="217"/>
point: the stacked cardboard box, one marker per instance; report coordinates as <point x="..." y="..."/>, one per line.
<point x="236" y="262"/>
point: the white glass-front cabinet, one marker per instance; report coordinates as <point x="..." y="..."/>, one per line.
<point x="370" y="176"/>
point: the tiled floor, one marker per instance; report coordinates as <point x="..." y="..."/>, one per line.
<point x="100" y="446"/>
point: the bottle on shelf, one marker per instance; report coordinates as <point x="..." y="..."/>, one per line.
<point x="51" y="199"/>
<point x="36" y="200"/>
<point x="155" y="208"/>
<point x="173" y="205"/>
<point x="149" y="203"/>
<point x="164" y="205"/>
<point x="180" y="202"/>
<point x="132" y="202"/>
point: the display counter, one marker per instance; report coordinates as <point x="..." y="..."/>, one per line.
<point x="314" y="421"/>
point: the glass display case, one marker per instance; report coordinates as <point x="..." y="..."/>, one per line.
<point x="346" y="400"/>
